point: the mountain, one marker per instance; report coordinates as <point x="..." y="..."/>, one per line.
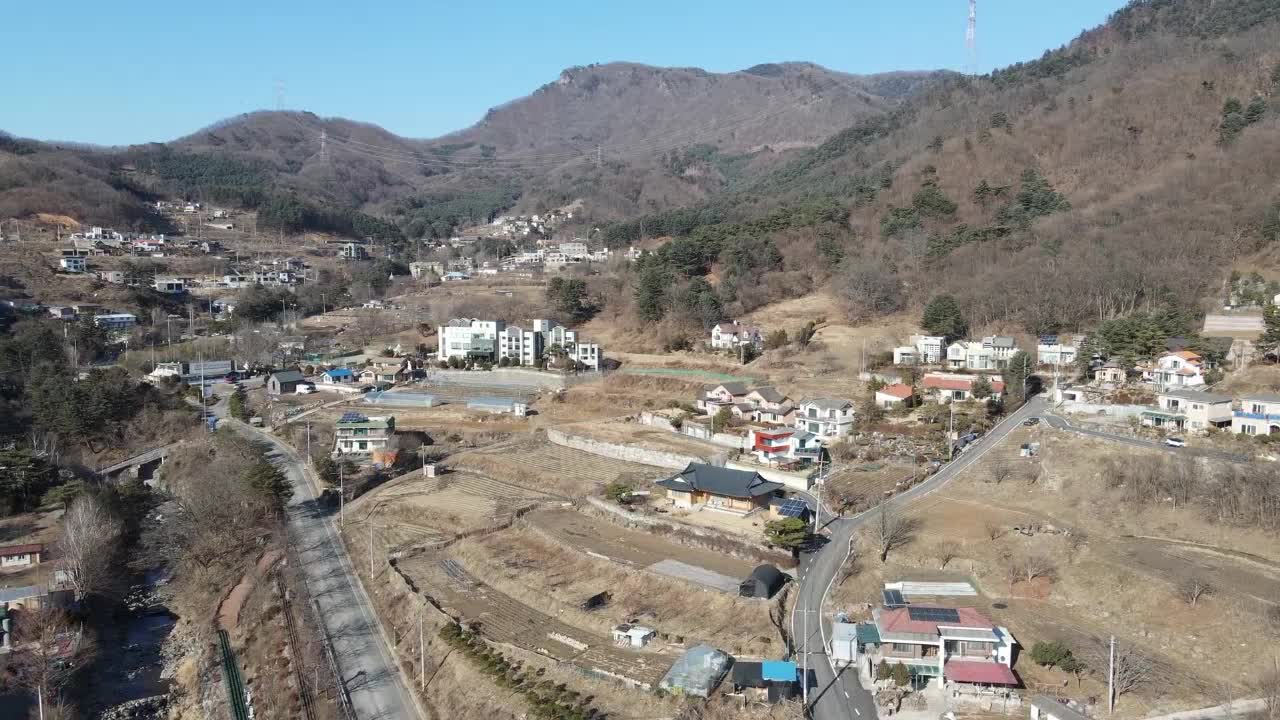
<point x="1126" y="173"/>
<point x="664" y="136"/>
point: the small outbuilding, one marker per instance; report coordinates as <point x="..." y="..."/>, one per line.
<point x="697" y="672"/>
<point x="285" y="382"/>
<point x="763" y="582"/>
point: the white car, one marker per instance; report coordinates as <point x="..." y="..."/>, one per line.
<point x="1175" y="442"/>
<point x="305" y="389"/>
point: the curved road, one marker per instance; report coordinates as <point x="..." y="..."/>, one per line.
<point x="837" y="694"/>
<point x="1062" y="423"/>
<point x="370" y="676"/>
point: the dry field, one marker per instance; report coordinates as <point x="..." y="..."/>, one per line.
<point x="554" y="573"/>
<point x="635" y="434"/>
<point x="1115" y="569"/>
<point x="864" y="485"/>
<point x="538" y="463"/>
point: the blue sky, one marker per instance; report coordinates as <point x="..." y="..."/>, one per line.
<point x="137" y="71"/>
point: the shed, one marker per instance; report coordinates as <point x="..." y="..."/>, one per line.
<point x="764" y="582"/>
<point x="285" y="382"/>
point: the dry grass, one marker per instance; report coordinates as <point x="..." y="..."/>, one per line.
<point x="543" y="573"/>
<point x="1120" y="579"/>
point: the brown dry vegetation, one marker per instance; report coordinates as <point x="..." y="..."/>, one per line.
<point x="1105" y="566"/>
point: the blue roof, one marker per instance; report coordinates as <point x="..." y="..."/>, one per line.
<point x="778" y="670"/>
<point x="339" y="372"/>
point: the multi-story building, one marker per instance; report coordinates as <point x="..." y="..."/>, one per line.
<point x="946" y="645"/>
<point x="1058" y="351"/>
<point x="1259" y="414"/>
<point x="1177" y="369"/>
<point x="493" y="340"/>
<point x="729" y="336"/>
<point x="357" y="434"/>
<point x="923" y="350"/>
<point x="825" y="417"/>
<point x="116" y="322"/>
<point x="1189" y="410"/>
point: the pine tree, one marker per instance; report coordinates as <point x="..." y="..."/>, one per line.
<point x="1269" y="342"/>
<point x="942" y="316"/>
<point x="789" y="533"/>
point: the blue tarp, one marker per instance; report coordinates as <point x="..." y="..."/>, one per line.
<point x="778" y="671"/>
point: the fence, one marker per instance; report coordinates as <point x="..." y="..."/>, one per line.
<point x="231" y="675"/>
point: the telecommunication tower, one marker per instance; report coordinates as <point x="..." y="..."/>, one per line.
<point x="971" y="38"/>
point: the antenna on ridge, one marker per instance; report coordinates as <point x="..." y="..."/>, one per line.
<point x="971" y="38"/>
<point x="324" y="137"/>
<point x="279" y="89"/>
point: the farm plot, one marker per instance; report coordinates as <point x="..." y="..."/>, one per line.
<point x="425" y="511"/>
<point x="856" y="488"/>
<point x="504" y="619"/>
<point x="541" y="463"/>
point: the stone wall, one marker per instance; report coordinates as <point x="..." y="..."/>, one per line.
<point x="795" y="481"/>
<point x="634" y="453"/>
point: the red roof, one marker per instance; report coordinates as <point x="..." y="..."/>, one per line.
<point x="983" y="673"/>
<point x="897" y="390"/>
<point x="955" y="382"/>
<point x="774" y="434"/>
<point x="898" y="620"/>
<point x="11" y="550"/>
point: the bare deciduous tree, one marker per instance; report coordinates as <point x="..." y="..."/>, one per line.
<point x="1077" y="540"/>
<point x="946" y="553"/>
<point x="1000" y="469"/>
<point x="1268" y="687"/>
<point x="994" y="531"/>
<point x="893" y="530"/>
<point x="1133" y="669"/>
<point x="1026" y="568"/>
<point x="89" y="542"/>
<point x="48" y="649"/>
<point x="1193" y="589"/>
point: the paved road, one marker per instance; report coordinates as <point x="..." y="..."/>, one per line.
<point x="1062" y="423"/>
<point x="837" y="694"/>
<point x="373" y="681"/>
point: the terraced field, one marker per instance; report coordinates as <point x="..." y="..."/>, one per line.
<point x="540" y="463"/>
<point x="504" y="619"/>
<point x="859" y="487"/>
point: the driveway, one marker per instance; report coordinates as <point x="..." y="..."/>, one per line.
<point x="1062" y="423"/>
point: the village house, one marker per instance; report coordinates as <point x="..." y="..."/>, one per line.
<point x="891" y="396"/>
<point x="1177" y="369"/>
<point x="825" y="417"/>
<point x="421" y="269"/>
<point x="1044" y="707"/>
<point x="353" y="251"/>
<point x="784" y="445"/>
<point x="923" y="350"/>
<point x="946" y="645"/>
<point x="1259" y="414"/>
<point x="385" y="372"/>
<point x="21" y="556"/>
<point x="992" y="353"/>
<point x="738" y="492"/>
<point x="285" y="382"/>
<point x="1058" y="351"/>
<point x="337" y="376"/>
<point x="73" y="264"/>
<point x="1189" y="410"/>
<point x="1110" y="373"/>
<point x="770" y="406"/>
<point x="115" y="277"/>
<point x="730" y="336"/>
<point x="946" y="387"/>
<point x="713" y="398"/>
<point x="357" y="434"/>
<point x="169" y="285"/>
<point x="116" y="322"/>
<point x="62" y="312"/>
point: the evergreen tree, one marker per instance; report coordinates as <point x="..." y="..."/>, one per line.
<point x="790" y="533"/>
<point x="266" y="478"/>
<point x="1256" y="111"/>
<point x="1021" y="367"/>
<point x="1269" y="342"/>
<point x="982" y="388"/>
<point x="942" y="316"/>
<point x="651" y="292"/>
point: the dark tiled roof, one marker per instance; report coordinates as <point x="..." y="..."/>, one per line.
<point x="770" y="394"/>
<point x="288" y="376"/>
<point x="720" y="481"/>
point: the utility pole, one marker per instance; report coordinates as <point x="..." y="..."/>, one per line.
<point x="370" y="546"/>
<point x="951" y="430"/>
<point x="309" y="460"/>
<point x="422" y="654"/>
<point x="1111" y="678"/>
<point x="342" y="496"/>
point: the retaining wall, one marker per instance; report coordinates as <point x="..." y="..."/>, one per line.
<point x="634" y="453"/>
<point x="1095" y="409"/>
<point x="795" y="481"/>
<point x="698" y="431"/>
<point x="507" y="376"/>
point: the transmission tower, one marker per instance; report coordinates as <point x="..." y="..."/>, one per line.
<point x="324" y="137"/>
<point x="279" y="88"/>
<point x="971" y="38"/>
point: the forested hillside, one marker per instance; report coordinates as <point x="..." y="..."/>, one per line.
<point x="1124" y="173"/>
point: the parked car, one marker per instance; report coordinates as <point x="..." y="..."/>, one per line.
<point x="305" y="389"/>
<point x="1175" y="442"/>
<point x="1029" y="422"/>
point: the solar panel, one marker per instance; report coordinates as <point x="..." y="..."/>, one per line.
<point x="929" y="614"/>
<point x="352" y="417"/>
<point x="793" y="508"/>
<point x="894" y="599"/>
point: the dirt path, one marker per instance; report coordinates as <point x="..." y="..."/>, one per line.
<point x="229" y="610"/>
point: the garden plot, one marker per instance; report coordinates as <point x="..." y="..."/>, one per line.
<point x="537" y="462"/>
<point x="504" y="619"/>
<point x="858" y="487"/>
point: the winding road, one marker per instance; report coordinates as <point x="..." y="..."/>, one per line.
<point x="835" y="693"/>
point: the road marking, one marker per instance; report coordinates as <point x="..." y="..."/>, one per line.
<point x="858" y="711"/>
<point x="846" y="695"/>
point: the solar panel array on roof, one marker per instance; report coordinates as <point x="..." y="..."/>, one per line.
<point x="894" y="599"/>
<point x="793" y="508"/>
<point x="352" y="417"/>
<point x="930" y="614"/>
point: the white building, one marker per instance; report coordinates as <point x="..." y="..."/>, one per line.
<point x="923" y="350"/>
<point x="356" y="434"/>
<point x="575" y="250"/>
<point x="73" y="264"/>
<point x="1178" y="369"/>
<point x="1259" y="414"/>
<point x="992" y="353"/>
<point x="729" y="336"/>
<point x="493" y="340"/>
<point x="1058" y="351"/>
<point x="1189" y="410"/>
<point x="825" y="417"/>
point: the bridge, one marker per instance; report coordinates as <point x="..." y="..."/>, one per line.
<point x="155" y="456"/>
